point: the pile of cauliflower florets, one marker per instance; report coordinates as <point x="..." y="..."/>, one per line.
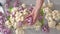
<point x="17" y="21"/>
<point x="52" y="16"/>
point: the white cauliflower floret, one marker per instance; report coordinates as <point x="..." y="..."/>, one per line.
<point x="48" y="16"/>
<point x="58" y="27"/>
<point x="8" y="24"/>
<point x="49" y="19"/>
<point x="52" y="24"/>
<point x="17" y="14"/>
<point x="22" y="18"/>
<point x="50" y="4"/>
<point x="56" y="14"/>
<point x="20" y="14"/>
<point x="24" y="5"/>
<point x="47" y="10"/>
<point x="15" y="25"/>
<point x="37" y="25"/>
<point x="19" y="31"/>
<point x="25" y="12"/>
<point x="11" y="20"/>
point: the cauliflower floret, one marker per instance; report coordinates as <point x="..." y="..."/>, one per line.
<point x="56" y="14"/>
<point x="52" y="24"/>
<point x="22" y="18"/>
<point x="58" y="27"/>
<point x="48" y="16"/>
<point x="24" y="5"/>
<point x="20" y="14"/>
<point x="37" y="25"/>
<point x="47" y="10"/>
<point x="12" y="20"/>
<point x="8" y="24"/>
<point x="17" y="14"/>
<point x="15" y="25"/>
<point x="19" y="31"/>
<point x="50" y="4"/>
<point x="25" y="12"/>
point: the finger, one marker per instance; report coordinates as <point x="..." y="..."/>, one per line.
<point x="34" y="19"/>
<point x="28" y="16"/>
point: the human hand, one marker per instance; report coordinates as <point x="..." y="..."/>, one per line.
<point x="35" y="11"/>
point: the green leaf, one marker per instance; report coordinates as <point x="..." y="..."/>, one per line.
<point x="42" y="14"/>
<point x="10" y="9"/>
<point x="42" y="22"/>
